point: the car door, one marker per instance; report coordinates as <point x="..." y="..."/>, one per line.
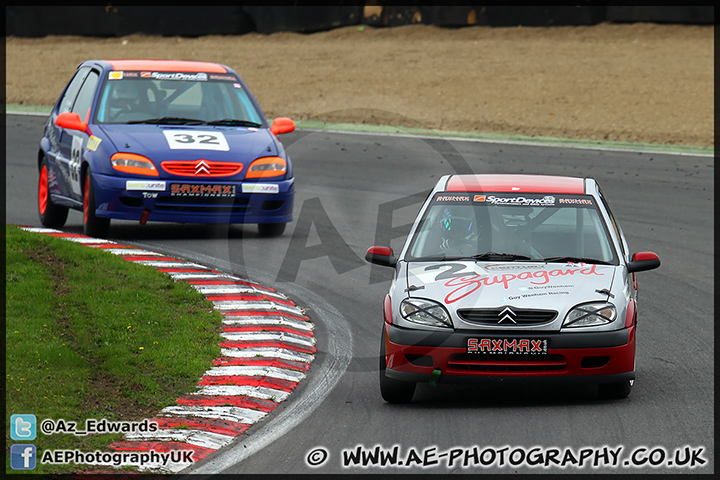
<point x="54" y="134"/>
<point x="71" y="142"/>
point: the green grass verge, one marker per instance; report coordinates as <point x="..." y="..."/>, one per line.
<point x="90" y="335"/>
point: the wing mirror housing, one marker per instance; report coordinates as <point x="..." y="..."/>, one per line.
<point x="642" y="261"/>
<point x="383" y="256"/>
<point x="282" y="125"/>
<point x="71" y="121"/>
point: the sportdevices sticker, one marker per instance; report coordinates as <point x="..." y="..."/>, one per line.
<point x="520" y="200"/>
<point x="196" y="140"/>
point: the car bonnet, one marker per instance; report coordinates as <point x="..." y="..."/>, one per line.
<point x="554" y="286"/>
<point x="246" y="144"/>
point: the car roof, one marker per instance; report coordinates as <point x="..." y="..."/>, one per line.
<point x="167" y="66"/>
<point x="515" y="183"/>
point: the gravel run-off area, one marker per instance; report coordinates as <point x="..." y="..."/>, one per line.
<point x="644" y="83"/>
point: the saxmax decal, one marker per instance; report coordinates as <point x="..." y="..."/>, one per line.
<point x="491" y="345"/>
<point x="201" y="190"/>
<point x="452" y="198"/>
<point x="575" y="201"/>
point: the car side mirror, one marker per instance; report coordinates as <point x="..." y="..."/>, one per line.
<point x="642" y="261"/>
<point x="71" y="121"/>
<point x="383" y="256"/>
<point x="282" y="125"/>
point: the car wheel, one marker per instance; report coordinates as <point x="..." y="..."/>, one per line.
<point x="393" y="391"/>
<point x="615" y="391"/>
<point x="92" y="226"/>
<point x="51" y="215"/>
<point x="271" y="229"/>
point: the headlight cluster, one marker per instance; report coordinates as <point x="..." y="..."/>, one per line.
<point x="267" y="167"/>
<point x="132" y="163"/>
<point x="590" y="315"/>
<point x="425" y="312"/>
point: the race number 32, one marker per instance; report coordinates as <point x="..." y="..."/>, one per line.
<point x="196" y="140"/>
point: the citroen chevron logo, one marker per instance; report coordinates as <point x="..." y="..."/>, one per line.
<point x="202" y="167"/>
<point x="507" y="314"/>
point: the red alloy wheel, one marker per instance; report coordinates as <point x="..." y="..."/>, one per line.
<point x="43" y="190"/>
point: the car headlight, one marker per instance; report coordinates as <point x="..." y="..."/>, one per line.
<point x="590" y="315"/>
<point x="267" y="167"/>
<point x="425" y="312"/>
<point x="132" y="163"/>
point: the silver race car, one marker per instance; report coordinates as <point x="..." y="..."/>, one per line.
<point x="511" y="277"/>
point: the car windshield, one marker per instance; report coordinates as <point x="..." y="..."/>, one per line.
<point x="509" y="227"/>
<point x="176" y="99"/>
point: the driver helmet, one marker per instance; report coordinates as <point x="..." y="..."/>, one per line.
<point x="456" y="228"/>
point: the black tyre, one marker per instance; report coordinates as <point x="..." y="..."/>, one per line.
<point x="271" y="229"/>
<point x="92" y="226"/>
<point x="615" y="391"/>
<point x="393" y="391"/>
<point x="51" y="215"/>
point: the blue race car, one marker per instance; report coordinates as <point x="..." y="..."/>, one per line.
<point x="166" y="141"/>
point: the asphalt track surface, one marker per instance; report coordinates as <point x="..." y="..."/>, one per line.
<point x="358" y="190"/>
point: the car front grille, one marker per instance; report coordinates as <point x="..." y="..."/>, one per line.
<point x="521" y="364"/>
<point x="227" y="205"/>
<point x="507" y="316"/>
<point x="202" y="168"/>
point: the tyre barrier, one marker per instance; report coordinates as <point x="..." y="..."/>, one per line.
<point x="195" y="21"/>
<point x="267" y="348"/>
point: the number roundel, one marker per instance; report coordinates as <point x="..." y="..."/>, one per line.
<point x="196" y="140"/>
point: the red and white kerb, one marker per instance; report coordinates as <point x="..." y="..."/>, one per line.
<point x="267" y="347"/>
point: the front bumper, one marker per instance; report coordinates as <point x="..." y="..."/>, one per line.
<point x="597" y="357"/>
<point x="114" y="200"/>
